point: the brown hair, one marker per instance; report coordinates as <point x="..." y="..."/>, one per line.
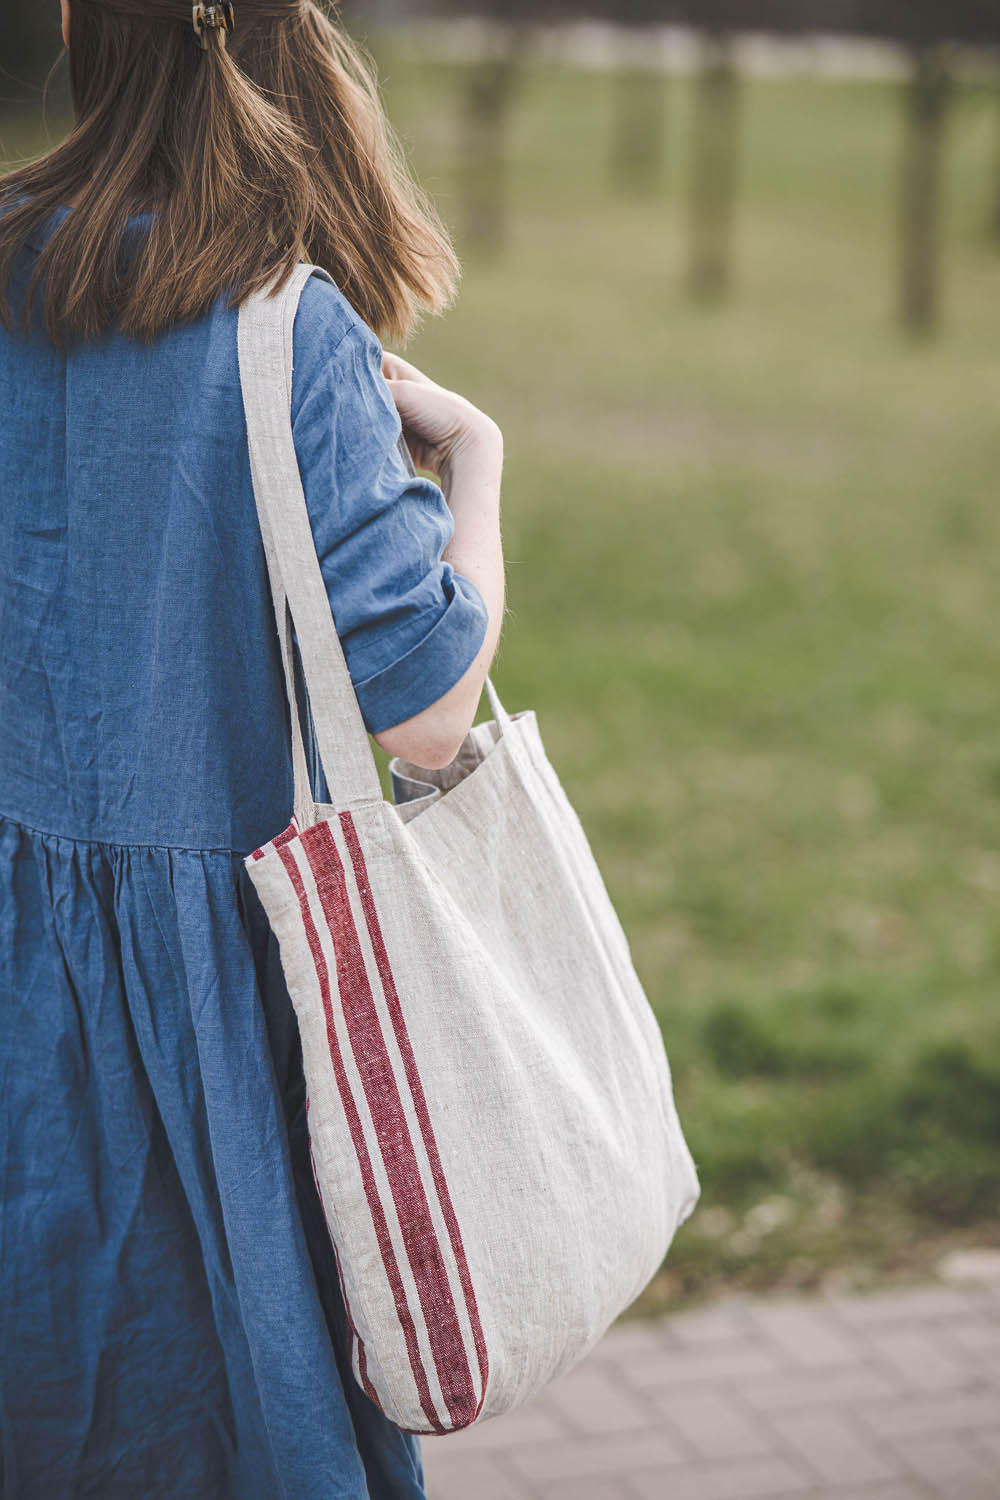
<point x="268" y="146"/>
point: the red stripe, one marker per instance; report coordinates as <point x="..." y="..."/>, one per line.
<point x="386" y="1107"/>
<point x="280" y="838"/>
<point x="366" y="1384"/>
<point x="357" y="1137"/>
<point x="419" y="1099"/>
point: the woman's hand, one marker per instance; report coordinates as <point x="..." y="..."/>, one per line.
<point x="439" y="425"/>
<point x="450" y="437"/>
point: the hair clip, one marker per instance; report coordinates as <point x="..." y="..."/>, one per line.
<point x="205" y="18"/>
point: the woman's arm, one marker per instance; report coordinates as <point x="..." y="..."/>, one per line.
<point x="450" y="437"/>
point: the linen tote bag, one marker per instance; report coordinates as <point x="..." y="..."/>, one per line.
<point x="491" y="1113"/>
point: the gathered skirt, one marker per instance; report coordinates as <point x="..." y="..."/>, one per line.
<point x="172" y="1324"/>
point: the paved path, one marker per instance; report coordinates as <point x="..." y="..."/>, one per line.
<point x="889" y="1395"/>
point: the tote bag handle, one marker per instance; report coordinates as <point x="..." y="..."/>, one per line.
<point x="265" y="342"/>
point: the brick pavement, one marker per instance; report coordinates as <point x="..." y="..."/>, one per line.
<point x="887" y="1395"/>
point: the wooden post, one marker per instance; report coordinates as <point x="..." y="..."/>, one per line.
<point x="926" y="108"/>
<point x="489" y="91"/>
<point x="715" y="149"/>
<point x="639" y="123"/>
<point x="995" y="214"/>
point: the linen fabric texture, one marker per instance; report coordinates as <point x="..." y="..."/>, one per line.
<point x="172" y="1321"/>
<point x="490" y="1105"/>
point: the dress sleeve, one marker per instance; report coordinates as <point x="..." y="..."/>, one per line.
<point x="409" y="624"/>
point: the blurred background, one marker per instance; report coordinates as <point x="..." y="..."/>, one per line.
<point x="732" y="289"/>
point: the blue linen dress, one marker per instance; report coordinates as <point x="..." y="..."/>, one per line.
<point x="171" y="1323"/>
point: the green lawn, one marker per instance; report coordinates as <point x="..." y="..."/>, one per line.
<point x="753" y="592"/>
<point x="753" y="597"/>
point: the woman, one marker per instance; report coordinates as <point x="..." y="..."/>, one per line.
<point x="171" y="1319"/>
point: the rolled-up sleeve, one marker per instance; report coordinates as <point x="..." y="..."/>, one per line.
<point x="410" y="625"/>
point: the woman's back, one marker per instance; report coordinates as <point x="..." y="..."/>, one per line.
<point x="173" y="1321"/>
<point x="142" y="687"/>
<point x="173" y="1325"/>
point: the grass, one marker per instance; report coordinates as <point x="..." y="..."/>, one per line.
<point x="753" y="598"/>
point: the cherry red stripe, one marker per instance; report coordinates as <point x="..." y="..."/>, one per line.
<point x="417" y="1091"/>
<point x="280" y="838"/>
<point x="388" y="1116"/>
<point x="358" y="1139"/>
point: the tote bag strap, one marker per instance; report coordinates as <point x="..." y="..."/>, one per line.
<point x="265" y="338"/>
<point x="265" y="331"/>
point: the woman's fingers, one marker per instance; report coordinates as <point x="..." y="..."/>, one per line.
<point x="437" y="422"/>
<point x="425" y="409"/>
<point x="394" y="367"/>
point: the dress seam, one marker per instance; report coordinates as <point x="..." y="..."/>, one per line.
<point x="68" y="838"/>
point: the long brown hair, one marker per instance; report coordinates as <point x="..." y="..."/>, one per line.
<point x="268" y="146"/>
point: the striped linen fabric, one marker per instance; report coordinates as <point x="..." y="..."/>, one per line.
<point x="427" y="1271"/>
<point x="491" y="1115"/>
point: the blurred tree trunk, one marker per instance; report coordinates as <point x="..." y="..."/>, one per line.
<point x="995" y="215"/>
<point x="927" y="95"/>
<point x="490" y="88"/>
<point x="639" y="122"/>
<point x="715" y="150"/>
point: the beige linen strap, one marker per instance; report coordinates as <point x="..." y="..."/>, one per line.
<point x="265" y="339"/>
<point x="302" y="794"/>
<point x="265" y="352"/>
